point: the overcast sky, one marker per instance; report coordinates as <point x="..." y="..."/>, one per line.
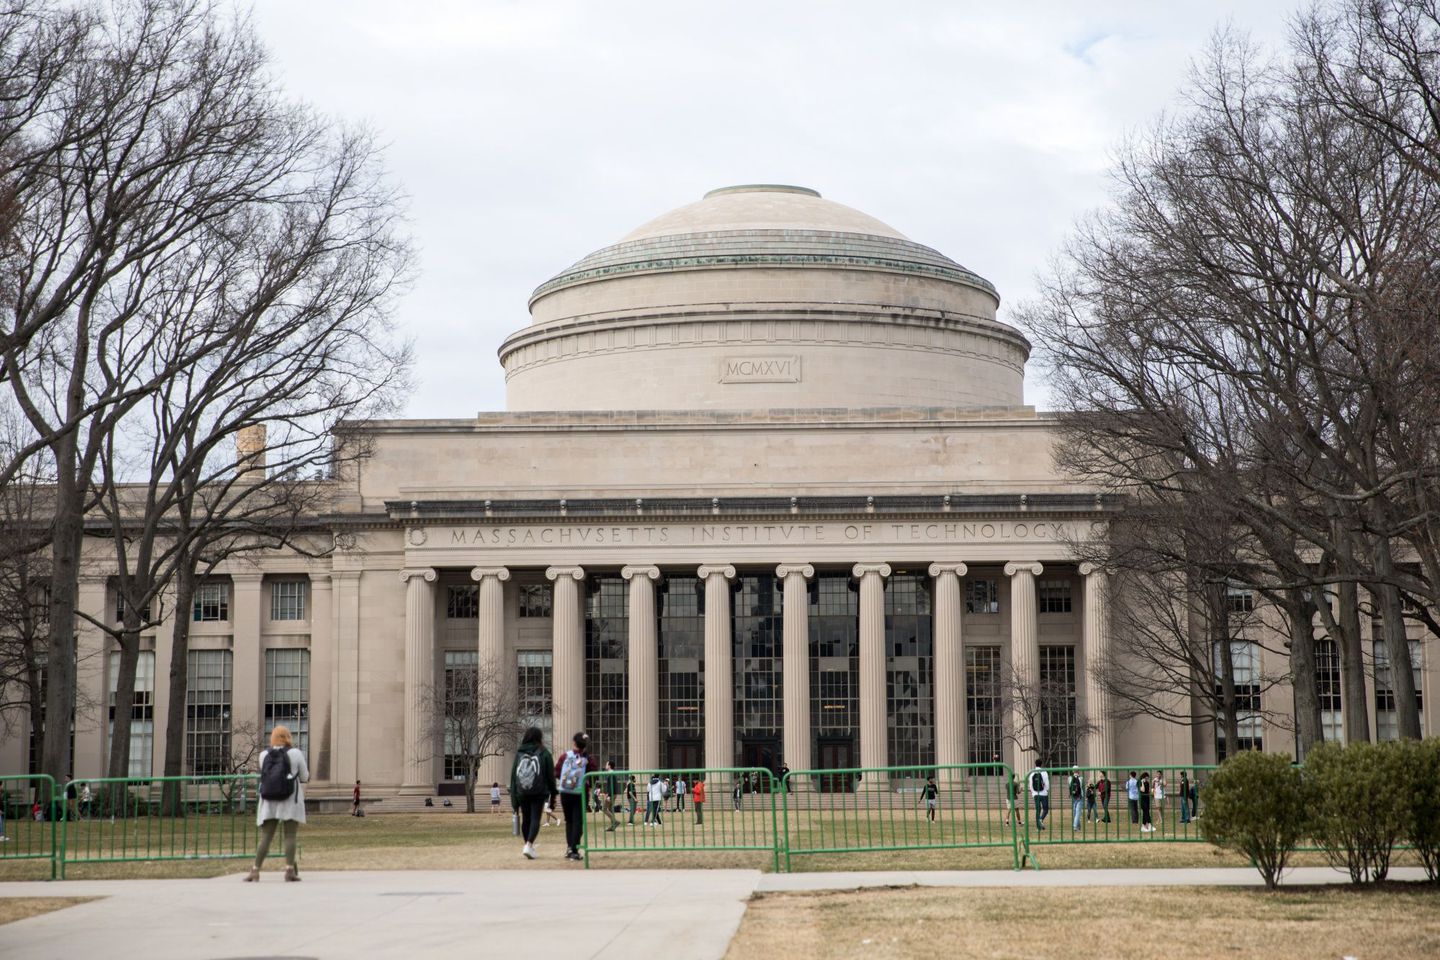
<point x="527" y="134"/>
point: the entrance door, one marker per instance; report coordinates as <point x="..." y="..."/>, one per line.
<point x="684" y="755"/>
<point x="760" y="753"/>
<point x="837" y="755"/>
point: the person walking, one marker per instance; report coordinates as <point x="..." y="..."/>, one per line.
<point x="1091" y="812"/>
<point x="932" y="798"/>
<point x="355" y="800"/>
<point x="86" y="799"/>
<point x="72" y="798"/>
<point x="681" y="788"/>
<point x="570" y="772"/>
<point x="1143" y="789"/>
<point x="1012" y="790"/>
<point x="630" y="800"/>
<point x="1102" y="792"/>
<point x="283" y="775"/>
<point x="1184" y="796"/>
<point x="610" y="796"/>
<point x="532" y="786"/>
<point x="698" y="792"/>
<point x="1077" y="798"/>
<point x="1132" y="795"/>
<point x="1040" y="793"/>
<point x="736" y="794"/>
<point x="551" y="820"/>
<point x="1195" y="798"/>
<point x="1159" y="789"/>
<point x="494" y="798"/>
<point x="656" y="800"/>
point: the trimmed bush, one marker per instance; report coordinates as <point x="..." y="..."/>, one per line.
<point x="1257" y="804"/>
<point x="1362" y="802"/>
<point x="1421" y="761"/>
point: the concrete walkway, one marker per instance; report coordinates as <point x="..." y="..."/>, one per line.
<point x="572" y="914"/>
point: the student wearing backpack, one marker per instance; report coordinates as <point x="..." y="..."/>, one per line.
<point x="1102" y="791"/>
<point x="532" y="785"/>
<point x="283" y="773"/>
<point x="1077" y="798"/>
<point x="932" y="798"/>
<point x="570" y="772"/>
<point x="1040" y="793"/>
<point x="1091" y="812"/>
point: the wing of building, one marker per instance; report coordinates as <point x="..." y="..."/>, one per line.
<point x="766" y="493"/>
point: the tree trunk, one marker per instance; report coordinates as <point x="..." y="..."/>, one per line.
<point x="123" y="711"/>
<point x="1350" y="645"/>
<point x="1309" y="730"/>
<point x="60" y="669"/>
<point x="37" y="712"/>
<point x="1397" y="643"/>
<point x="172" y="800"/>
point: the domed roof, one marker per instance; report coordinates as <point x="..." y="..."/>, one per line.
<point x="762" y="225"/>
<point x="763" y="206"/>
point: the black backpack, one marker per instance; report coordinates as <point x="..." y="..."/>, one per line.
<point x="276" y="780"/>
<point x="1037" y="781"/>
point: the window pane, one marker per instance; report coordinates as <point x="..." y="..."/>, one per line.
<point x="287" y="693"/>
<point x="207" y="712"/>
<point x="287" y="599"/>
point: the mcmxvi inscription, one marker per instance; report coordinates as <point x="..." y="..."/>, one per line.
<point x="760" y="370"/>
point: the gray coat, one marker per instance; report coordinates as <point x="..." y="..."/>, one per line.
<point x="294" y="808"/>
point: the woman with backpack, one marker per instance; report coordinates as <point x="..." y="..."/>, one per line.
<point x="532" y="785"/>
<point x="1142" y="788"/>
<point x="283" y="773"/>
<point x="570" y="772"/>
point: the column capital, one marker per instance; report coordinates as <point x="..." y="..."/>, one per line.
<point x="709" y="570"/>
<point x="861" y="569"/>
<point x="428" y="573"/>
<point x="1087" y="568"/>
<point x="959" y="569"/>
<point x="795" y="569"/>
<point x="247" y="577"/>
<point x="574" y="573"/>
<point x="499" y="573"/>
<point x="1032" y="567"/>
<point x="652" y="572"/>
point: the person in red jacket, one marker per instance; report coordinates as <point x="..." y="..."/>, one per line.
<point x="697" y="797"/>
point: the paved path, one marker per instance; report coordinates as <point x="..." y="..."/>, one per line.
<point x="349" y="915"/>
<point x="572" y="914"/>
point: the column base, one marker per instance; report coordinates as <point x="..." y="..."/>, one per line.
<point x="417" y="790"/>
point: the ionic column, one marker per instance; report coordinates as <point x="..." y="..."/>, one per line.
<point x="719" y="668"/>
<point x="1096" y="640"/>
<point x="949" y="665"/>
<point x="795" y="656"/>
<point x="644" y="740"/>
<point x="420" y="689"/>
<point x="567" y="669"/>
<point x="491" y="603"/>
<point x="874" y="743"/>
<point x="1024" y="657"/>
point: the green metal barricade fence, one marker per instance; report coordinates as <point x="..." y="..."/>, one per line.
<point x="1118" y="804"/>
<point x="738" y="812"/>
<point x="130" y="819"/>
<point x="30" y="808"/>
<point x="863" y="810"/>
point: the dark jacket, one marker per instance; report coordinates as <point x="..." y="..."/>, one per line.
<point x="547" y="767"/>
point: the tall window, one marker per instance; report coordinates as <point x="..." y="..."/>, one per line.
<point x="1327" y="688"/>
<point x="142" y="712"/>
<point x="607" y="687"/>
<point x="287" y="693"/>
<point x="755" y="637"/>
<point x="909" y="670"/>
<point x="287" y="599"/>
<point x="1245" y="658"/>
<point x="1053" y="596"/>
<point x="207" y="713"/>
<point x="983" y="719"/>
<point x="834" y="624"/>
<point x="1387" y="721"/>
<point x="462" y="601"/>
<point x="680" y="605"/>
<point x="1059" y="737"/>
<point x="458" y="664"/>
<point x="982" y="595"/>
<point x="212" y="601"/>
<point x="1239" y="599"/>
<point x="534" y="601"/>
<point x="534" y="686"/>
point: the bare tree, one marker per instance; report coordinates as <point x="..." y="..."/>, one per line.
<point x="474" y="715"/>
<point x="1041" y="717"/>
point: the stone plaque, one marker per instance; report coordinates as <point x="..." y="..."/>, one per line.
<point x="760" y="370"/>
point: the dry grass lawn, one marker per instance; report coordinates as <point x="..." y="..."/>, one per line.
<point x="1395" y="921"/>
<point x="19" y="908"/>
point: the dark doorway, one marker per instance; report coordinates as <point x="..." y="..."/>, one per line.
<point x="760" y="753"/>
<point x="837" y="754"/>
<point x="684" y="755"/>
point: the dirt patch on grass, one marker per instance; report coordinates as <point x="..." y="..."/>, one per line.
<point x="1392" y="921"/>
<point x="21" y="908"/>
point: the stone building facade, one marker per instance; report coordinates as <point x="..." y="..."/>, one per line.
<point x="766" y="493"/>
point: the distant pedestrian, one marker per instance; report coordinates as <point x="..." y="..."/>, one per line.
<point x="283" y="774"/>
<point x="1091" y="812"/>
<point x="86" y="799"/>
<point x="72" y="797"/>
<point x="494" y="798"/>
<point x="736" y="794"/>
<point x="1195" y="798"/>
<point x="1160" y="794"/>
<point x="1143" y="788"/>
<point x="570" y="772"/>
<point x="630" y="799"/>
<point x="355" y="800"/>
<point x="1077" y="798"/>
<point x="532" y="786"/>
<point x="681" y="788"/>
<point x="785" y="776"/>
<point x="1184" y="796"/>
<point x="610" y="795"/>
<point x="932" y="798"/>
<point x="655" y="798"/>
<point x="1012" y="791"/>
<point x="1132" y="795"/>
<point x="1102" y="793"/>
<point x="1040" y="794"/>
<point x="699" y="797"/>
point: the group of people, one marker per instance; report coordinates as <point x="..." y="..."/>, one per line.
<point x="1146" y="797"/>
